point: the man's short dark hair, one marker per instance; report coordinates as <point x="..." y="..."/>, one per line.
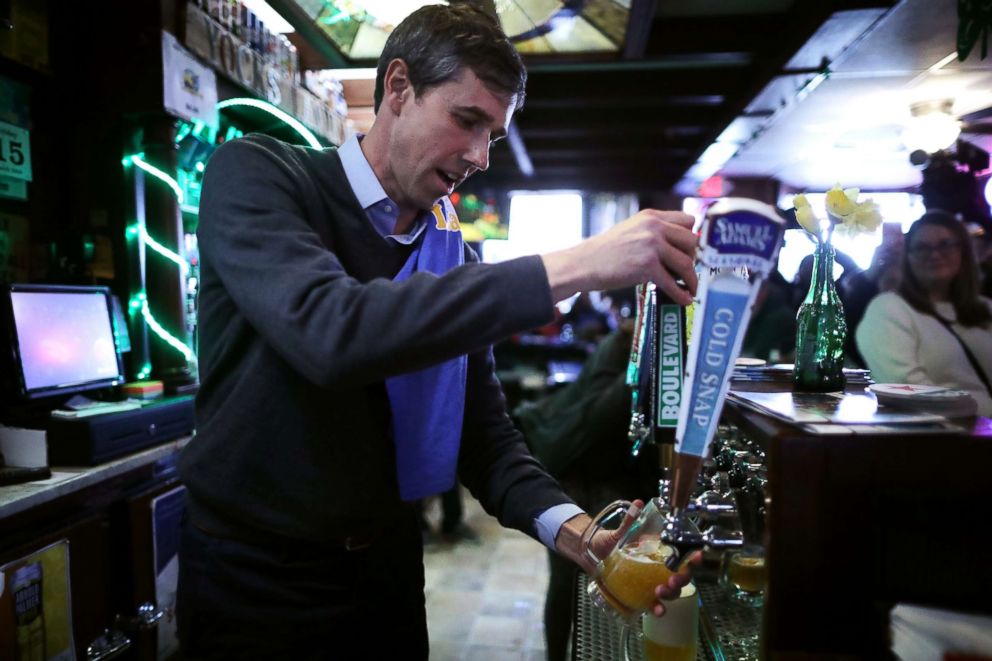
<point x="437" y="42"/>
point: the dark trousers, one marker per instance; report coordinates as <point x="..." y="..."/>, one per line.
<point x="558" y="605"/>
<point x="451" y="509"/>
<point x="290" y="601"/>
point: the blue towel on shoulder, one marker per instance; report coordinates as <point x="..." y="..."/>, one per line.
<point x="428" y="406"/>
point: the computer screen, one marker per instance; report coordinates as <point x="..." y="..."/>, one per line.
<point x="64" y="339"/>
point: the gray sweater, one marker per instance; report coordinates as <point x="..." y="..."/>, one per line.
<point x="300" y="322"/>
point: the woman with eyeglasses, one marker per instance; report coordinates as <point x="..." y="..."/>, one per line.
<point x="936" y="328"/>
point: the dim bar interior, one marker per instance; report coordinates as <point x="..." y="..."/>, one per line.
<point x="813" y="428"/>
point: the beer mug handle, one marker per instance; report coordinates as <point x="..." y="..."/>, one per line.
<point x="620" y="507"/>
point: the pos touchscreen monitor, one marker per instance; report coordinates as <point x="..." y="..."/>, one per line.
<point x="63" y="339"/>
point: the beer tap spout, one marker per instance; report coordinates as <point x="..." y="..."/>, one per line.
<point x="683" y="534"/>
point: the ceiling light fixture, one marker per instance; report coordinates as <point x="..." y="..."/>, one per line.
<point x="932" y="126"/>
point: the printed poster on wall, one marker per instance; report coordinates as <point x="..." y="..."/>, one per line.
<point x="35" y="606"/>
<point x="190" y="87"/>
<point x="167" y="513"/>
<point x="15" y="109"/>
<point x="15" y="152"/>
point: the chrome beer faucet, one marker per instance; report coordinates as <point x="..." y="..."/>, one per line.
<point x="682" y="531"/>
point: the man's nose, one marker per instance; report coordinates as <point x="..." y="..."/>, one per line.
<point x="478" y="154"/>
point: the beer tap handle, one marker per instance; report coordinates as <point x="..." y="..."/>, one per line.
<point x="738" y="245"/>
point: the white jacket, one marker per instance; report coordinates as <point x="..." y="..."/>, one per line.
<point x="902" y="345"/>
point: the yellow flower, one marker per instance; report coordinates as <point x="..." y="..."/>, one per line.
<point x="867" y="217"/>
<point x="804" y="215"/>
<point x="864" y="220"/>
<point x="842" y="203"/>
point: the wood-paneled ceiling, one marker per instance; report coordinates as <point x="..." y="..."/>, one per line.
<point x="641" y="119"/>
<point x="804" y="92"/>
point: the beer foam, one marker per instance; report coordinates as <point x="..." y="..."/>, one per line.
<point x="649" y="549"/>
<point x="680" y="623"/>
<point x="643" y="558"/>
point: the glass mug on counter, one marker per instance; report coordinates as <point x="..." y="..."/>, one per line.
<point x="623" y="582"/>
<point x="671" y="637"/>
<point x="744" y="575"/>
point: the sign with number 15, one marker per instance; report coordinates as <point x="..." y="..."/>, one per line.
<point x="15" y="152"/>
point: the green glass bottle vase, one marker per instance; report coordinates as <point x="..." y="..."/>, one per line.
<point x="821" y="330"/>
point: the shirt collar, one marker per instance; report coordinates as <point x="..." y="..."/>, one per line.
<point x="381" y="211"/>
<point x="360" y="175"/>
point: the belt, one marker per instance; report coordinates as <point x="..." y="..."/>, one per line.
<point x="361" y="540"/>
<point x="354" y="535"/>
<point x="354" y="541"/>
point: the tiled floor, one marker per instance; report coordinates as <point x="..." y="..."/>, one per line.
<point x="485" y="600"/>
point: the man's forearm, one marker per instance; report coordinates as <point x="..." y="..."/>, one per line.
<point x="655" y="246"/>
<point x="564" y="276"/>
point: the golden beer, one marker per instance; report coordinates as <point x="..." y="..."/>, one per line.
<point x="747" y="573"/>
<point x="655" y="652"/>
<point x="630" y="574"/>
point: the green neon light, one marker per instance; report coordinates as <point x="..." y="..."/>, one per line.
<point x="169" y="339"/>
<point x="337" y="18"/>
<point x="184" y="130"/>
<point x="159" y="174"/>
<point x="145" y="372"/>
<point x="134" y="305"/>
<point x="294" y="123"/>
<point x="162" y="250"/>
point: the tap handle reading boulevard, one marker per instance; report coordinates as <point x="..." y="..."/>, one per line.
<point x="655" y="372"/>
<point x="739" y="237"/>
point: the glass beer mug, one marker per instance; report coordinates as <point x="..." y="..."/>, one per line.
<point x="623" y="582"/>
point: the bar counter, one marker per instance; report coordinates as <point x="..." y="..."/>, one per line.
<point x="68" y="480"/>
<point x="855" y="524"/>
<point x="104" y="518"/>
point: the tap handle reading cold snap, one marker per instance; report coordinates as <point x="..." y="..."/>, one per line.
<point x="738" y="236"/>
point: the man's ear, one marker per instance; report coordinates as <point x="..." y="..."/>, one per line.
<point x="396" y="85"/>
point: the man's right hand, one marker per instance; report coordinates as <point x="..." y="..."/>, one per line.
<point x="655" y="246"/>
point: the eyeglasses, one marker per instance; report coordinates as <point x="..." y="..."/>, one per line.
<point x="927" y="249"/>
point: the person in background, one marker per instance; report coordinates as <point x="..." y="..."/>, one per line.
<point x="981" y="239"/>
<point x="346" y="365"/>
<point x="935" y="329"/>
<point x="804" y="275"/>
<point x="453" y="528"/>
<point x="587" y="321"/>
<point x="858" y="291"/>
<point x="771" y="333"/>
